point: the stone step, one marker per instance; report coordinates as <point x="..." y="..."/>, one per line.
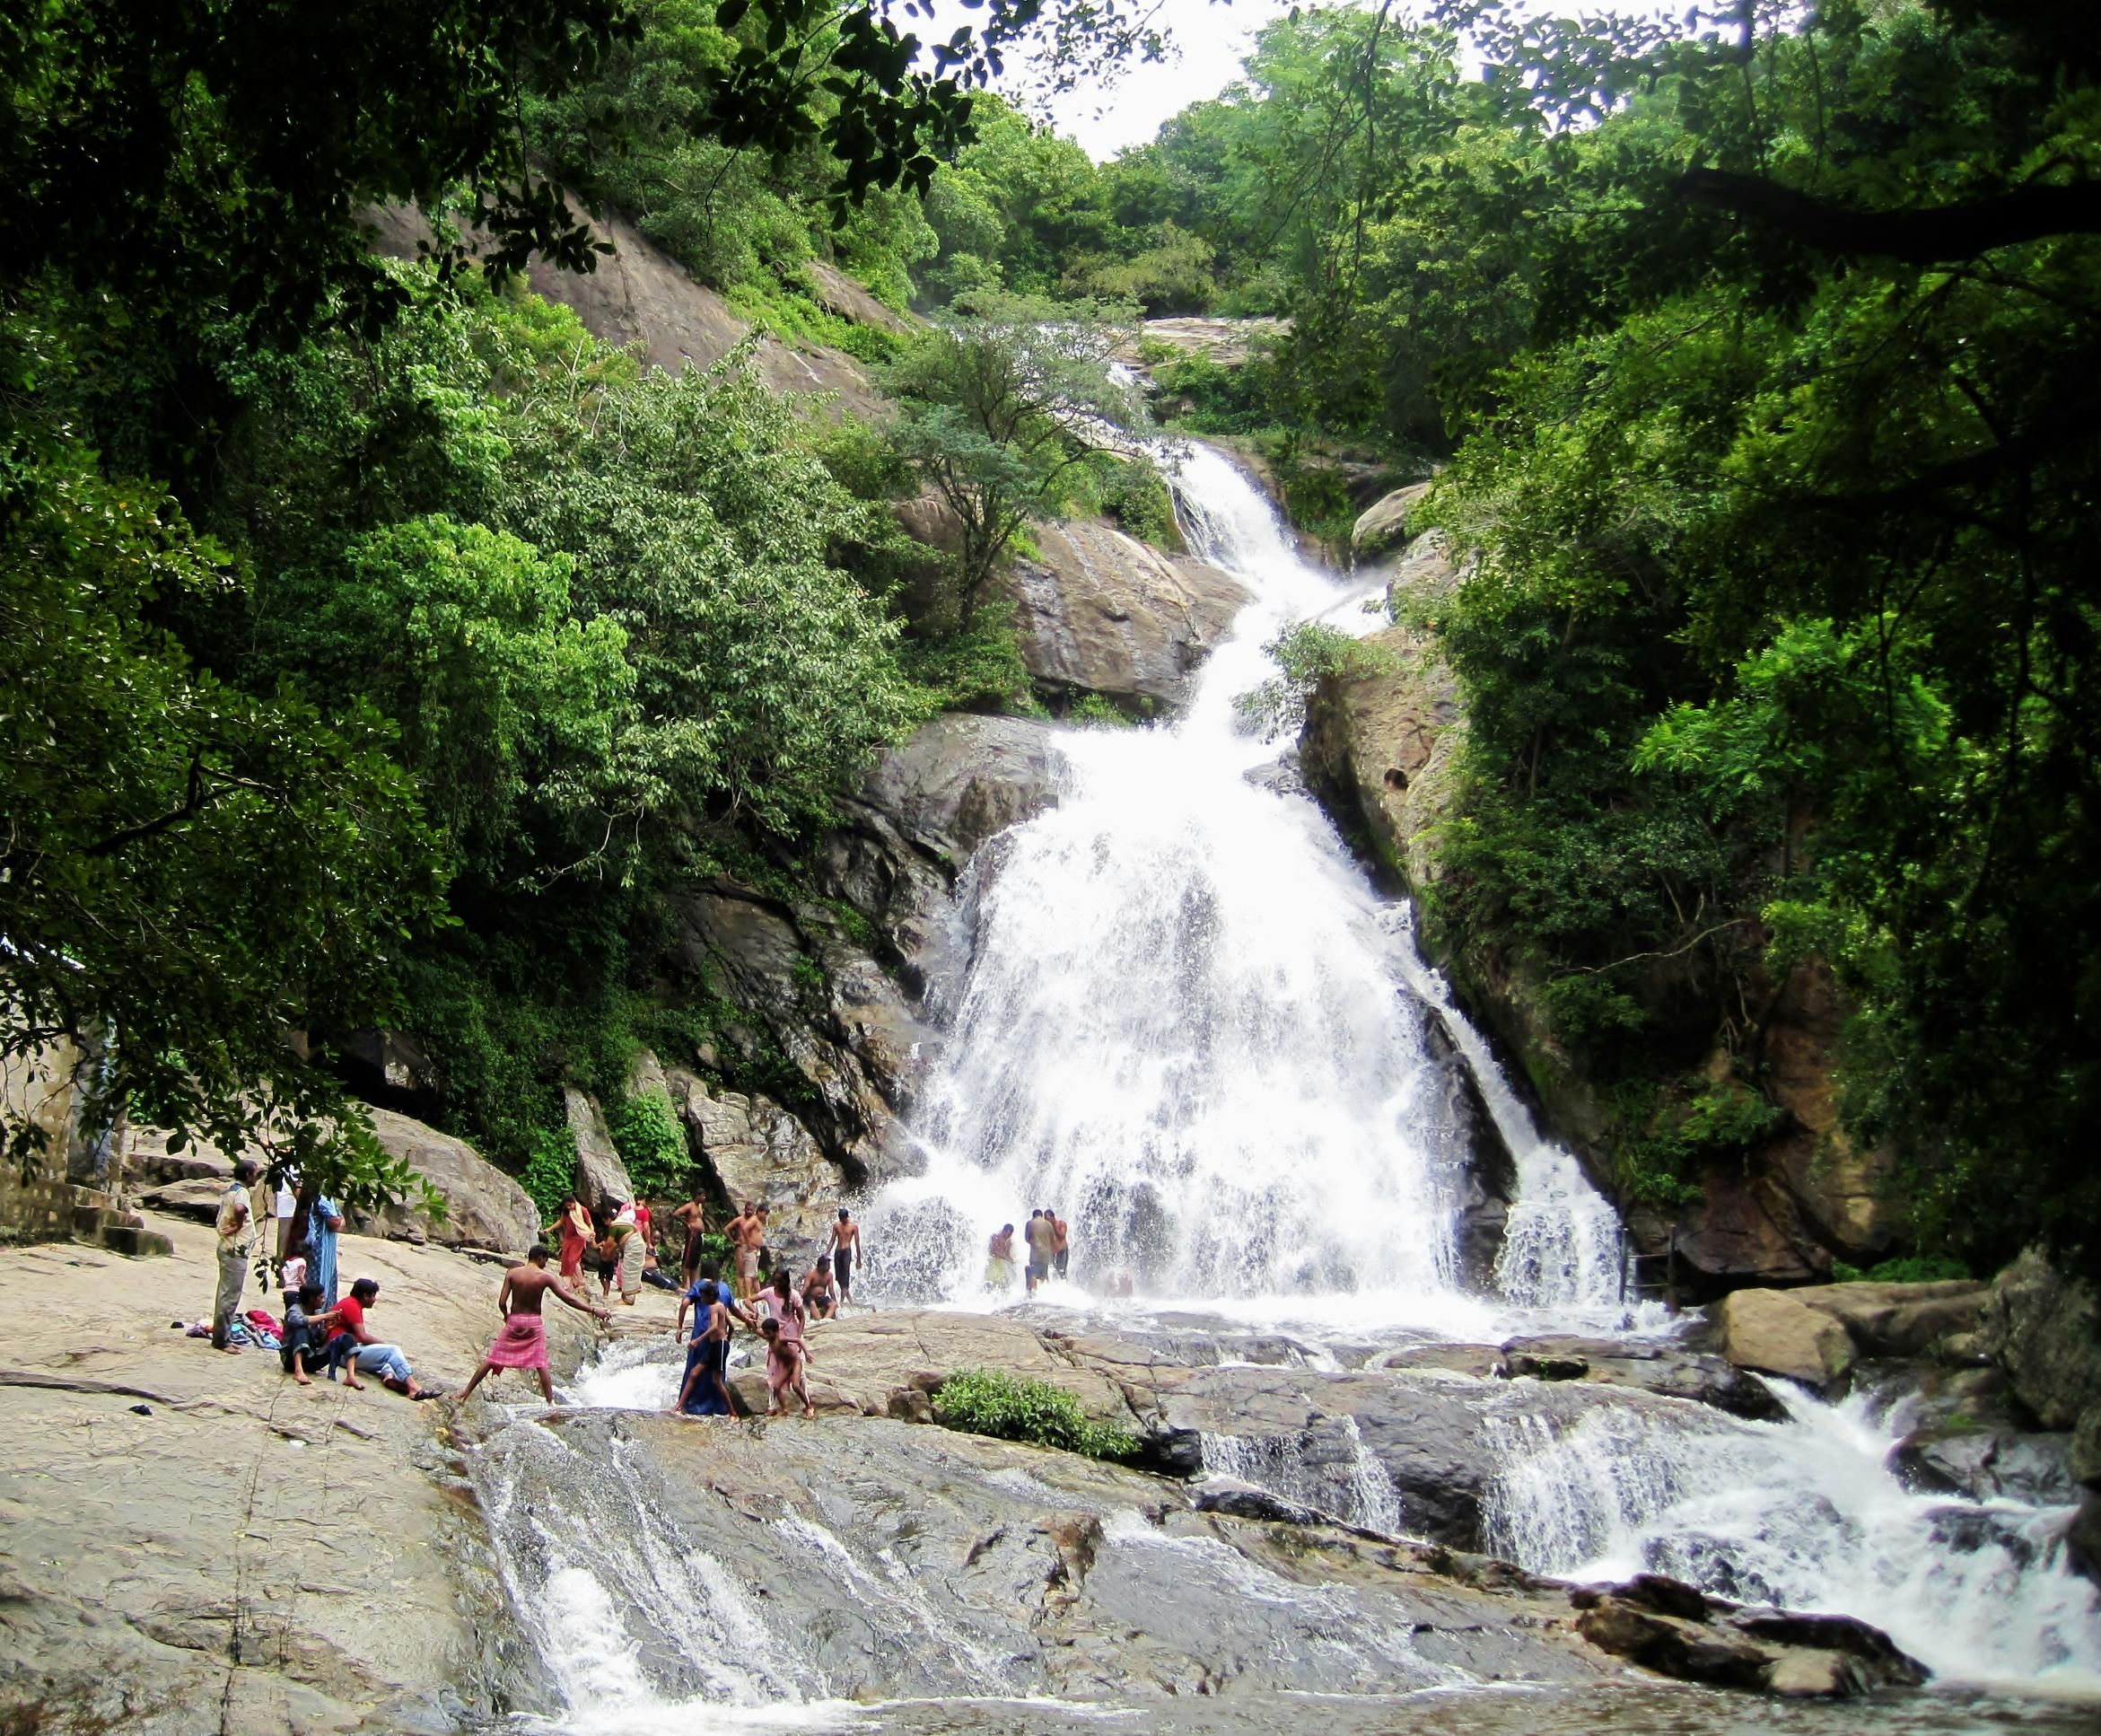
<point x="134" y="1241"/>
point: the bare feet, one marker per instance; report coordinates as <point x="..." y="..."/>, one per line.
<point x="353" y="1384"/>
<point x="303" y="1379"/>
<point x="231" y="1350"/>
<point x="810" y="1410"/>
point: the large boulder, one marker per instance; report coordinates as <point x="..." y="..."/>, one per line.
<point x="483" y="1207"/>
<point x="602" y="1178"/>
<point x="2045" y="1330"/>
<point x="1674" y="1630"/>
<point x="640" y="295"/>
<point x="1384" y="525"/>
<point x="1775" y="1332"/>
<point x="761" y="1155"/>
<point x="958" y="779"/>
<point x="1101" y="612"/>
<point x="1227" y="342"/>
<point x="816" y="998"/>
<point x="903" y="1562"/>
<point x="1380" y="742"/>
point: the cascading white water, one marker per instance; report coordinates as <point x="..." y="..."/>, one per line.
<point x="1806" y="1514"/>
<point x="1185" y="1026"/>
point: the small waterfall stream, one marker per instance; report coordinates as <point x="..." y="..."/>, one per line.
<point x="1192" y="1025"/>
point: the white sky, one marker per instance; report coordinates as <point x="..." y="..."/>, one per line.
<point x="1208" y="39"/>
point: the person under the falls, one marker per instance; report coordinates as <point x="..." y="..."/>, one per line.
<point x="785" y="1358"/>
<point x="1060" y="1245"/>
<point x="999" y="1265"/>
<point x="1041" y="1236"/>
<point x="704" y="1390"/>
<point x="523" y="1341"/>
<point x="844" y="1249"/>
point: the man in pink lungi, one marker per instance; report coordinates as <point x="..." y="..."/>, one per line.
<point x="523" y="1341"/>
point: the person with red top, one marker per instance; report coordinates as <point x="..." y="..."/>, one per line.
<point x="573" y="1227"/>
<point x="352" y="1346"/>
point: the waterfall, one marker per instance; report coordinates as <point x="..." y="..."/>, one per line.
<point x="1192" y="1027"/>
<point x="1804" y="1513"/>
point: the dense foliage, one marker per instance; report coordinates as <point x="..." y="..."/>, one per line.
<point x="1013" y="1407"/>
<point x="1767" y="345"/>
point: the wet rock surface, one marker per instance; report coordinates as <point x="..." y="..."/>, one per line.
<point x="1674" y="1630"/>
<point x="1101" y="612"/>
<point x="898" y="1561"/>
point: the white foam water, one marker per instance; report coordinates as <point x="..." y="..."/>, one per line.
<point x="1186" y="1028"/>
<point x="1804" y="1513"/>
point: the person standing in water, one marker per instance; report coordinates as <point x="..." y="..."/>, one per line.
<point x="845" y="1249"/>
<point x="1060" y="1245"/>
<point x="784" y="1359"/>
<point x="704" y="1391"/>
<point x="1041" y="1236"/>
<point x="999" y="1265"/>
<point x="523" y="1341"/>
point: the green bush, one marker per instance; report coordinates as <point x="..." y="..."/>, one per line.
<point x="1093" y="709"/>
<point x="1010" y="1407"/>
<point x="652" y="1143"/>
<point x="1306" y="652"/>
<point x="550" y="1171"/>
<point x="1911" y="1269"/>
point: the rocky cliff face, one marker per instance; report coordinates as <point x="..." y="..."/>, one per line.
<point x="1101" y="612"/>
<point x="1380" y="749"/>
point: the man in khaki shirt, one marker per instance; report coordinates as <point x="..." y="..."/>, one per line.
<point x="236" y="1226"/>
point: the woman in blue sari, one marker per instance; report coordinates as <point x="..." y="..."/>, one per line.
<point x="324" y="1218"/>
<point x="703" y="1390"/>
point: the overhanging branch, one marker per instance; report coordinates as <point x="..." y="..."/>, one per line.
<point x="1918" y="234"/>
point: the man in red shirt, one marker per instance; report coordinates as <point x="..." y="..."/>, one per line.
<point x="352" y="1346"/>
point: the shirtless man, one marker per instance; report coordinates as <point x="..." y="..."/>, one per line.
<point x="693" y="1216"/>
<point x="523" y="1341"/>
<point x="754" y="1239"/>
<point x="845" y="1248"/>
<point x="734" y="1231"/>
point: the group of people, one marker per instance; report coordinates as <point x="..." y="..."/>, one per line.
<point x="1050" y="1252"/>
<point x="319" y="1331"/>
<point x="777" y="1308"/>
<point x="325" y="1334"/>
<point x="618" y="1243"/>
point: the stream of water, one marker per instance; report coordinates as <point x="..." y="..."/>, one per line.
<point x="1192" y="1026"/>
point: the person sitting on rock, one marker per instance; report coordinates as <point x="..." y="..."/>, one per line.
<point x="366" y="1354"/>
<point x="306" y="1330"/>
<point x="818" y="1296"/>
<point x="523" y="1341"/>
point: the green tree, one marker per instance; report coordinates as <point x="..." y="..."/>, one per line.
<point x="1001" y="406"/>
